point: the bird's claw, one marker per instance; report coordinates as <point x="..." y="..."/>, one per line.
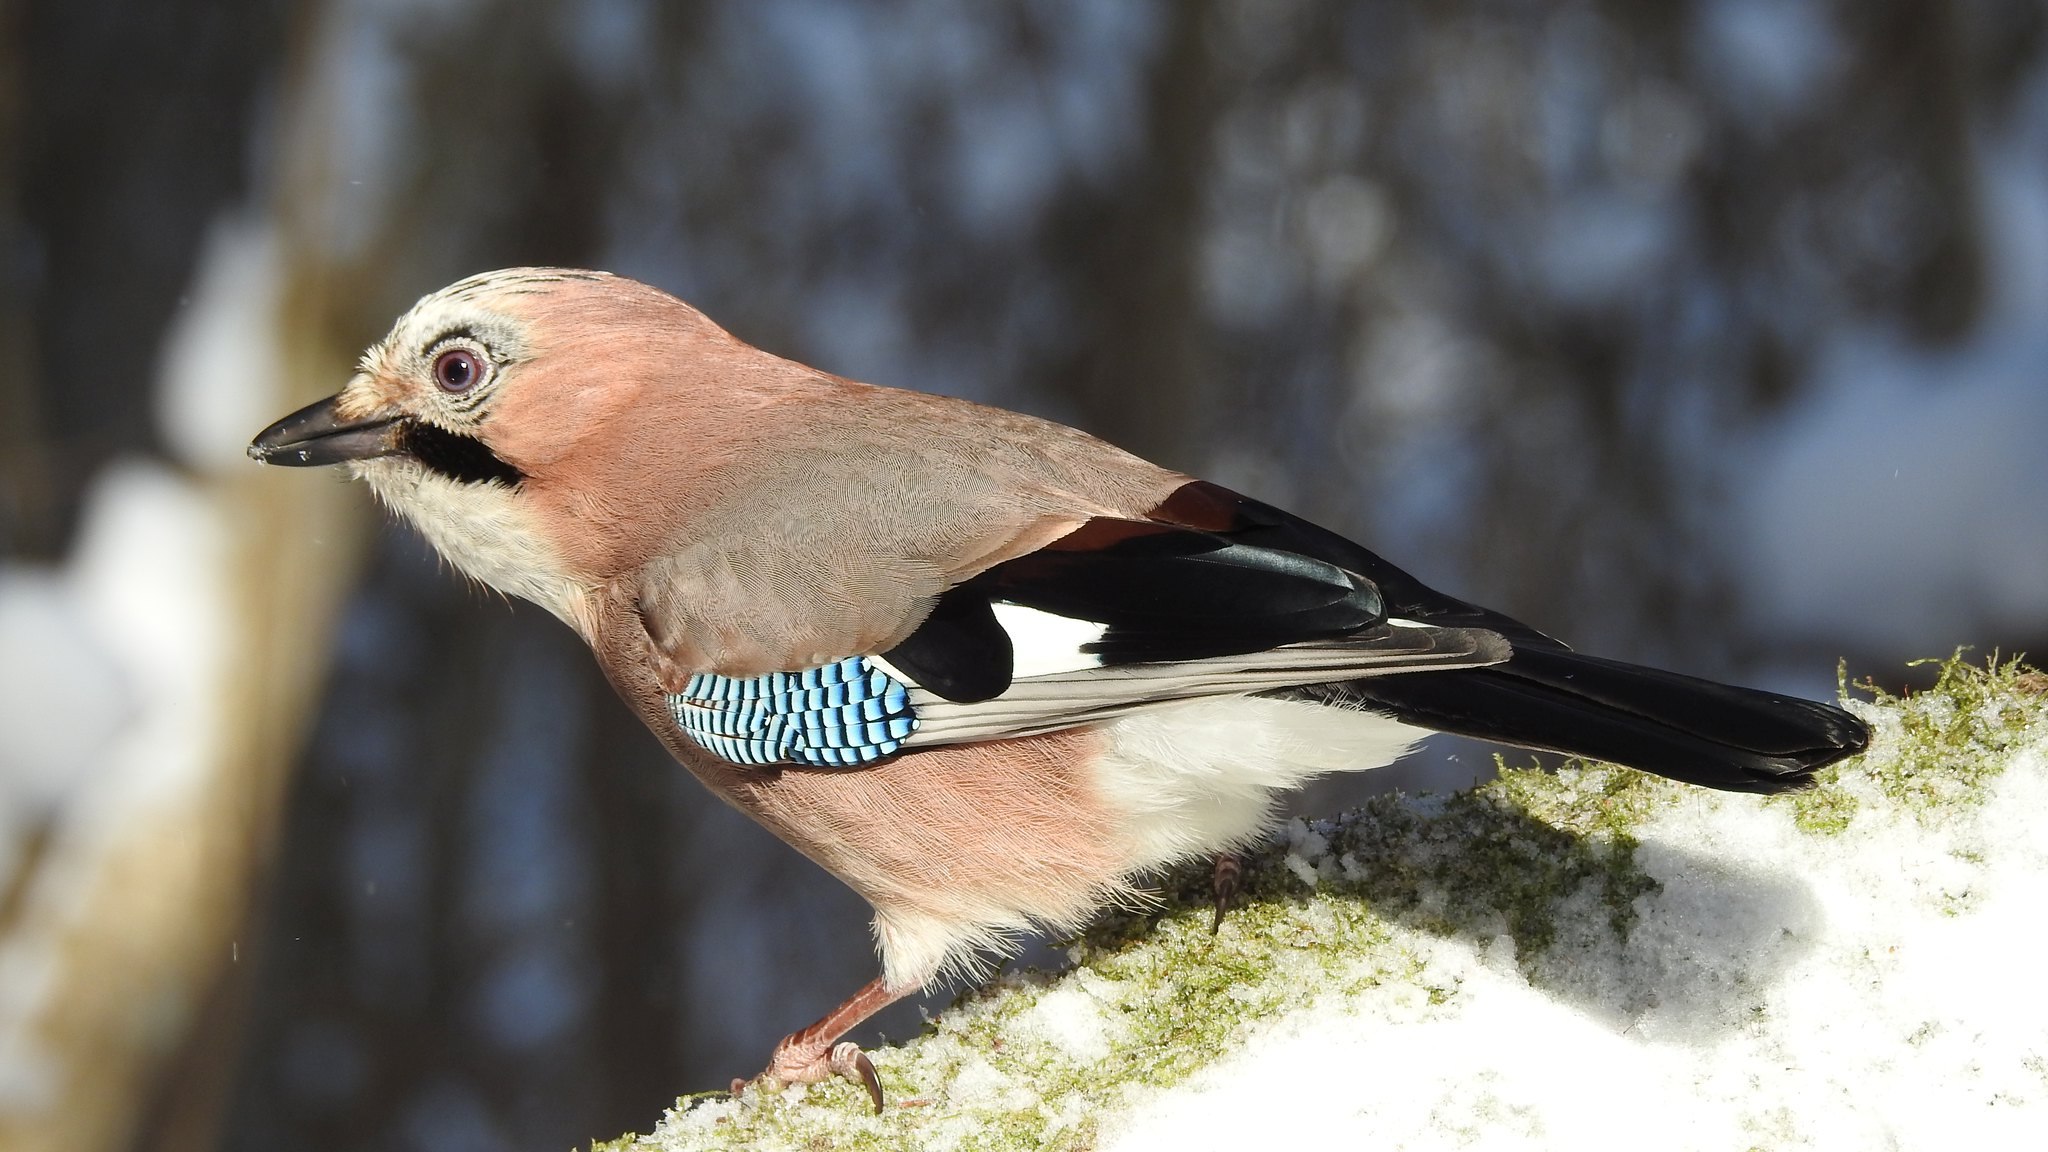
<point x="791" y="1064"/>
<point x="849" y="1061"/>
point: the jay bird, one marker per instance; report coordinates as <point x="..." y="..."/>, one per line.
<point x="984" y="668"/>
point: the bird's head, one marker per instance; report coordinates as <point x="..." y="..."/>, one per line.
<point x="500" y="415"/>
<point x="453" y="392"/>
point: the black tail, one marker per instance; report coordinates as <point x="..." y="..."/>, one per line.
<point x="1547" y="696"/>
<point x="1697" y="731"/>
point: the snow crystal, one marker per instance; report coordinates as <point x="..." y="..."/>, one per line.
<point x="979" y="1083"/>
<point x="1071" y="1018"/>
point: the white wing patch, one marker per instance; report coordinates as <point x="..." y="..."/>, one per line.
<point x="1043" y="643"/>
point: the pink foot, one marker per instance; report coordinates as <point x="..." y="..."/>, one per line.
<point x="796" y="1062"/>
<point x="810" y="1056"/>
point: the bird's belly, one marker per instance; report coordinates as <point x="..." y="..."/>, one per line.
<point x="961" y="846"/>
<point x="957" y="847"/>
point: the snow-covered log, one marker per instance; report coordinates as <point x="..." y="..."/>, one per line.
<point x="1590" y="958"/>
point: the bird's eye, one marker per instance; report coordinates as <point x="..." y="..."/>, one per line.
<point x="457" y="370"/>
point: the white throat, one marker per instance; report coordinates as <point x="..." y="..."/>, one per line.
<point x="483" y="531"/>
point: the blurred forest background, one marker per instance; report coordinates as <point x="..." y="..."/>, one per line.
<point x="1709" y="333"/>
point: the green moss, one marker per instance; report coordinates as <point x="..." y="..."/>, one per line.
<point x="1502" y="858"/>
<point x="1943" y="746"/>
<point x="1177" y="996"/>
<point x="1953" y="737"/>
<point x="1825" y="810"/>
<point x="1498" y="860"/>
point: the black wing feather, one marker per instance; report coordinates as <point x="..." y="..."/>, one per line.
<point x="960" y="652"/>
<point x="1546" y="696"/>
<point x="1245" y="520"/>
<point x="1163" y="594"/>
<point x="1173" y="594"/>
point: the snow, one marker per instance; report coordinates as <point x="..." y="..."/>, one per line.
<point x="1872" y="1015"/>
<point x="107" y="662"/>
<point x="110" y="665"/>
<point x="222" y="365"/>
<point x="52" y="665"/>
<point x="1074" y="1018"/>
<point x="1590" y="960"/>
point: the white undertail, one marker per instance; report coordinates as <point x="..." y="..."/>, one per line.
<point x="1203" y="776"/>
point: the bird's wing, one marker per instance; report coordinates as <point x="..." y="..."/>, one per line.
<point x="841" y="522"/>
<point x="1115" y="616"/>
<point x="843" y="588"/>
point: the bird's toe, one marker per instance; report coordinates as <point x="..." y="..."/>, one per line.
<point x="796" y="1062"/>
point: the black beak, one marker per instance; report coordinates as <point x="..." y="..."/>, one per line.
<point x="316" y="434"/>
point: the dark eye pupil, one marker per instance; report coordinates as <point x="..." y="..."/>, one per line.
<point x="455" y="371"/>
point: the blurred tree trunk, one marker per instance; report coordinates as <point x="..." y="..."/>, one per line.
<point x="136" y="900"/>
<point x="390" y="960"/>
<point x="1132" y="256"/>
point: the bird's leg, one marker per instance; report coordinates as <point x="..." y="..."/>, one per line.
<point x="815" y="1053"/>
<point x="1225" y="877"/>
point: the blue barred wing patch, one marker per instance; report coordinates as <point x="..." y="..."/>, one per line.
<point x="843" y="715"/>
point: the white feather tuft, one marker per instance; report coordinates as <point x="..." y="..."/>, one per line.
<point x="925" y="951"/>
<point x="1201" y="777"/>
